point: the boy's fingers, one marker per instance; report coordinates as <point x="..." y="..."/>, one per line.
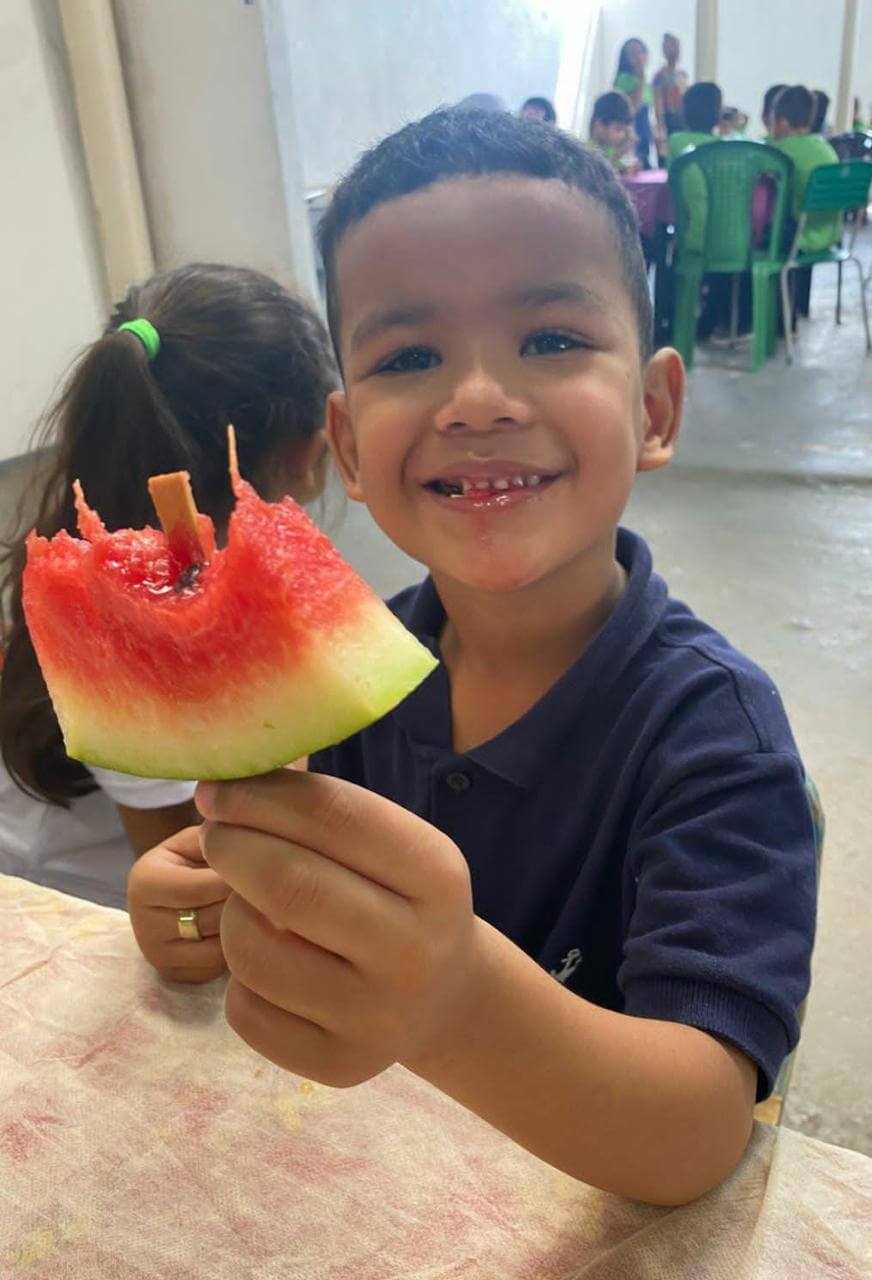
<point x="176" y="885"/>
<point x="319" y="899"/>
<point x="186" y="843"/>
<point x="350" y="825"/>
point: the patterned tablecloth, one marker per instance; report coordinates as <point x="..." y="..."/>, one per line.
<point x="140" y="1138"/>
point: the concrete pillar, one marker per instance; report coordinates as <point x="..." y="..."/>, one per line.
<point x="845" y="97"/>
<point x="706" y="39"/>
<point x="110" y="157"/>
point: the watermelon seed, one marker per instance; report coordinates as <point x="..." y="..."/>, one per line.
<point x="187" y="578"/>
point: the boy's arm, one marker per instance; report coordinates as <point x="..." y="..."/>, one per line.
<point x="655" y="1111"/>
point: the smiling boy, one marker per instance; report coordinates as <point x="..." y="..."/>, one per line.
<point x="570" y="880"/>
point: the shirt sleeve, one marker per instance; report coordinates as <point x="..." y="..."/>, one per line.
<point x="722" y="928"/>
<point x="142" y="793"/>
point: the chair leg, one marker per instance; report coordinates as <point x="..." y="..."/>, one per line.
<point x="762" y="301"/>
<point x="839" y="296"/>
<point x="863" y="305"/>
<point x="787" y="313"/>
<point x="687" y="284"/>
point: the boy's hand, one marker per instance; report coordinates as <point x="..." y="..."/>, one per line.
<point x="350" y="934"/>
<point x="168" y="879"/>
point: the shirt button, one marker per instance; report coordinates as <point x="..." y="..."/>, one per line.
<point x="458" y="782"/>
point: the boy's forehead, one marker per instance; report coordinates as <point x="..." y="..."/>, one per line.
<point x="475" y="234"/>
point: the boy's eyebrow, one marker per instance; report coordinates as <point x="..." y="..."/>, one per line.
<point x="570" y="291"/>
<point x="392" y="318"/>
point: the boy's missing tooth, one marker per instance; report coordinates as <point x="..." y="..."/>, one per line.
<point x="579" y="859"/>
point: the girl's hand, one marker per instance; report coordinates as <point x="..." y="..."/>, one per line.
<point x="350" y="934"/>
<point x="168" y="879"/>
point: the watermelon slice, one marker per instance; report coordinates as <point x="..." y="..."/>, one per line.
<point x="167" y="658"/>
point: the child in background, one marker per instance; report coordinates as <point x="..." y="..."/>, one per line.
<point x="793" y="116"/>
<point x="669" y="86"/>
<point x="630" y="79"/>
<point x="570" y="880"/>
<point x="538" y="109"/>
<point x="821" y="107"/>
<point x="769" y="98"/>
<point x="702" y="111"/>
<point x="732" y="123"/>
<point x="210" y="345"/>
<point x="611" y="131"/>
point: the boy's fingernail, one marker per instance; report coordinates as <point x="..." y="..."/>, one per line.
<point x="204" y="796"/>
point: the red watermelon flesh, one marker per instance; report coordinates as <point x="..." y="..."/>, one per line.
<point x="270" y="650"/>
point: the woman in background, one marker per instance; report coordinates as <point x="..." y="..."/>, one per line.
<point x="630" y="79"/>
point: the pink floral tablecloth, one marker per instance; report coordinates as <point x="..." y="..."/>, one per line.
<point x="139" y="1138"/>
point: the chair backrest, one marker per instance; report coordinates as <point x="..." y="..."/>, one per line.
<point x="838" y="187"/>
<point x="730" y="173"/>
<point x="854" y="145"/>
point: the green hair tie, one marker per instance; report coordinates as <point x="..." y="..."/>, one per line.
<point x="147" y="334"/>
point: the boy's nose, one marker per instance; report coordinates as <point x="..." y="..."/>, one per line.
<point x="481" y="402"/>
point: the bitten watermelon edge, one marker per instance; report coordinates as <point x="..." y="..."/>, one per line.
<point x="271" y="650"/>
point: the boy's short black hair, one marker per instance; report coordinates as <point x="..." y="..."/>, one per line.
<point x="702" y="106"/>
<point x="452" y="144"/>
<point x="612" y="108"/>
<point x="821" y="107"/>
<point x="769" y="98"/>
<point x="796" y="106"/>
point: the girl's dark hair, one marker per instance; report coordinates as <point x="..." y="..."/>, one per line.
<point x="234" y="347"/>
<point x="624" y="63"/>
<point x="545" y="105"/>
<point x="821" y="107"/>
<point x="452" y="144"/>
<point x="769" y="99"/>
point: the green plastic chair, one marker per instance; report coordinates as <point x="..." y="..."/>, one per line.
<point x="833" y="188"/>
<point x="723" y="242"/>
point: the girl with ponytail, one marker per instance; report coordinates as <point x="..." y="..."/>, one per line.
<point x="182" y="356"/>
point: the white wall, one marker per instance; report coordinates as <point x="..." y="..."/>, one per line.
<point x="51" y="289"/>
<point x="202" y="111"/>
<point x="781" y="41"/>
<point x="362" y="68"/>
<point x="863" y="59"/>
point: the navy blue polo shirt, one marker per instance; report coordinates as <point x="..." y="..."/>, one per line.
<point x="643" y="831"/>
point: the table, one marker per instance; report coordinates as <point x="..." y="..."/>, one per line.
<point x="649" y="191"/>
<point x="139" y="1138"/>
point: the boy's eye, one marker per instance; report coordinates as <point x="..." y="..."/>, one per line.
<point x="410" y="360"/>
<point x="550" y="342"/>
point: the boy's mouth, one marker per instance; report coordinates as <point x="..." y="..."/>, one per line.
<point x="494" y="490"/>
<point x="463" y="487"/>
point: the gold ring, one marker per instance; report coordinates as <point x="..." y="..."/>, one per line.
<point x="188" y="927"/>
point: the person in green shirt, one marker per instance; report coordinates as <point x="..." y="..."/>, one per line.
<point x="702" y="111"/>
<point x="793" y="116"/>
<point x="631" y="79"/>
<point x="611" y="130"/>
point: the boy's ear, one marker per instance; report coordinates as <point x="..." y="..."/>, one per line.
<point x="663" y="392"/>
<point x="340" y="438"/>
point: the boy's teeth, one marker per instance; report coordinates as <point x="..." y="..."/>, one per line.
<point x="462" y="488"/>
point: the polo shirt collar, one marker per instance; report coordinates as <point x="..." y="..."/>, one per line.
<point x="525" y="748"/>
